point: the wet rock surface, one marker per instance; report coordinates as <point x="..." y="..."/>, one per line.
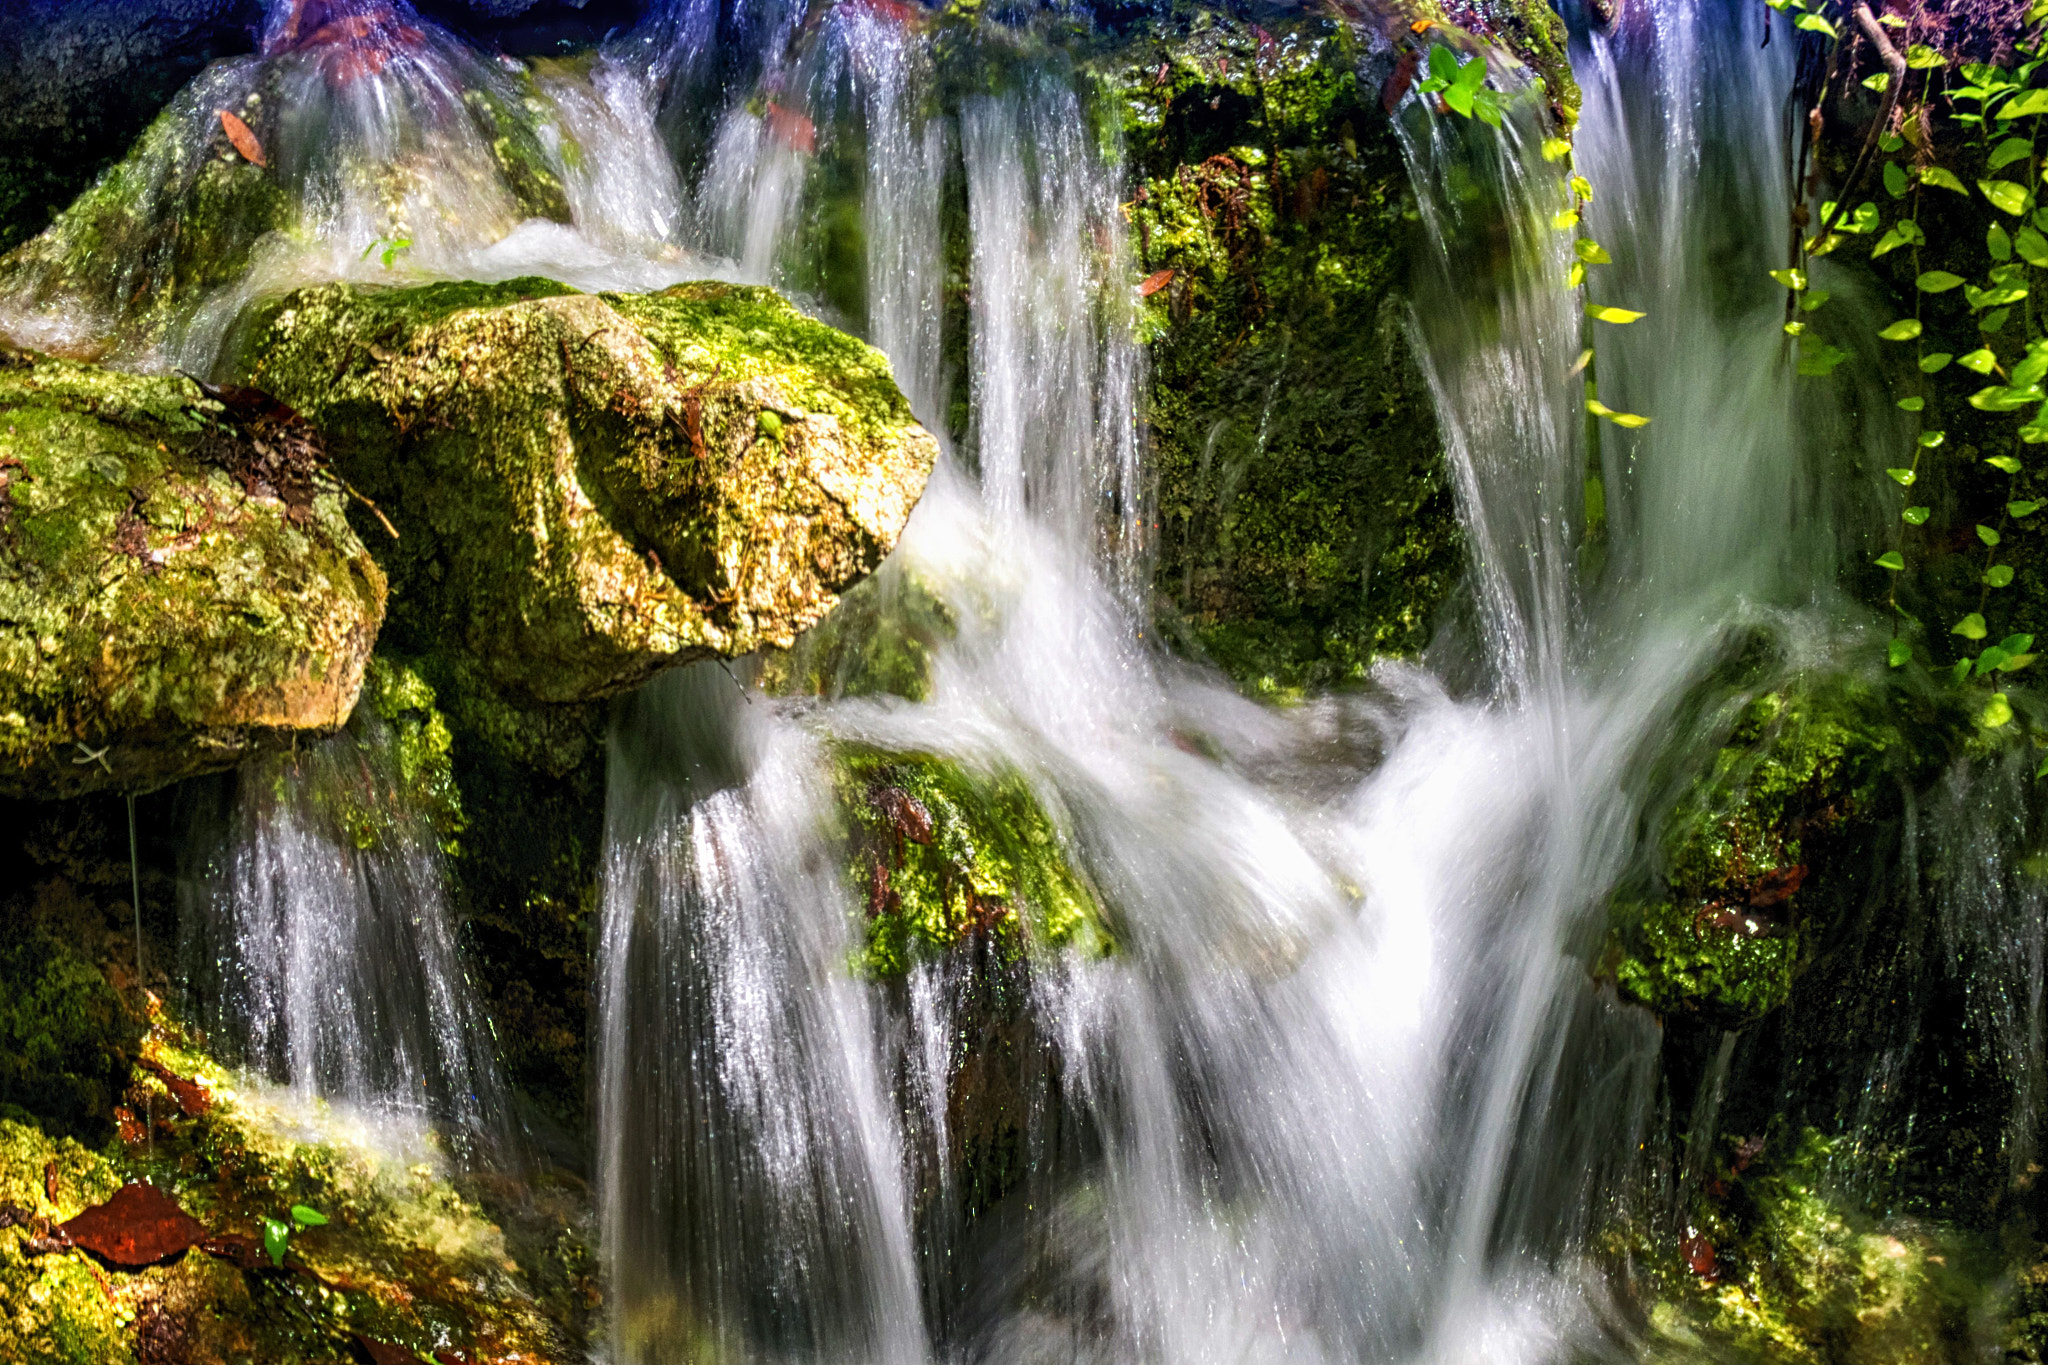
<point x="170" y="597"/>
<point x="591" y="488"/>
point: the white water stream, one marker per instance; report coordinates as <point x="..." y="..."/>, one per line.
<point x="1347" y="1090"/>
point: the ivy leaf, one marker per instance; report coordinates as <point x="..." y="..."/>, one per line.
<point x="2026" y="106"/>
<point x="1998" y="575"/>
<point x="1935" y="363"/>
<point x="1814" y="23"/>
<point x="277" y="1236"/>
<point x="1472" y="73"/>
<point x="1591" y="252"/>
<point x="1915" y="516"/>
<point x="1905" y="329"/>
<point x="2015" y="644"/>
<point x="1816" y="358"/>
<point x="2011" y="150"/>
<point x="2013" y="663"/>
<point x="2033" y="368"/>
<point x="1941" y="179"/>
<point x="1904" y="233"/>
<point x="1898" y="653"/>
<point x="1443" y="64"/>
<point x="1987" y="534"/>
<point x="1981" y="360"/>
<point x="1794" y="280"/>
<point x="1971" y="627"/>
<point x="1930" y="439"/>
<point x="1912" y="404"/>
<point x="1620" y="419"/>
<point x="1601" y="312"/>
<point x="1576" y="276"/>
<point x="1921" y="57"/>
<point x="1998" y="243"/>
<point x="1582" y="187"/>
<point x="1566" y="219"/>
<point x="1459" y="98"/>
<point x="2010" y="197"/>
<point x="1932" y="281"/>
<point x="1902" y="477"/>
<point x="1999" y="398"/>
<point x="1894" y="176"/>
<point x="308" y="1217"/>
<point x="2005" y="464"/>
<point x="1556" y="149"/>
<point x="1891" y="559"/>
<point x="1863" y="219"/>
<point x="1993" y="323"/>
<point x="1997" y="712"/>
<point x="2019" y="510"/>
<point x="1996" y="296"/>
<point x="1812" y="299"/>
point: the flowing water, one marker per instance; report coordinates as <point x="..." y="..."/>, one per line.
<point x="1347" y="1089"/>
<point x="318" y="947"/>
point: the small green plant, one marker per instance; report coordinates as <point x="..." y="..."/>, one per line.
<point x="277" y="1233"/>
<point x="387" y="250"/>
<point x="1997" y="114"/>
<point x="1463" y="86"/>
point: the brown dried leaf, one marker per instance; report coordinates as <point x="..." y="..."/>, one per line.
<point x="139" y="1226"/>
<point x="244" y="141"/>
<point x="1155" y="282"/>
<point x="384" y="1353"/>
<point x="192" y="1098"/>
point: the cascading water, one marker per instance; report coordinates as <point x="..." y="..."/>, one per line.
<point x="1346" y="1089"/>
<point x="318" y="947"/>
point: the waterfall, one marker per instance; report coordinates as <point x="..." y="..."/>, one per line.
<point x="318" y="948"/>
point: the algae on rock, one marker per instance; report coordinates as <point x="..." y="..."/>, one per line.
<point x="160" y="616"/>
<point x="1305" y="517"/>
<point x="592" y="488"/>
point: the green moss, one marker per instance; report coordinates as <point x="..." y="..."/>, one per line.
<point x="149" y="606"/>
<point x="406" y="1257"/>
<point x="943" y="854"/>
<point x="66" y="1039"/>
<point x="1803" y="1273"/>
<point x="582" y="484"/>
<point x="879" y="641"/>
<point x="1305" y="524"/>
<point x="404" y="700"/>
<point x="511" y="128"/>
<point x="1721" y="934"/>
<point x="53" y="1310"/>
<point x="180" y="215"/>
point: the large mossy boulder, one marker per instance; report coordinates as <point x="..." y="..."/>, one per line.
<point x="590" y="488"/>
<point x="1306" y="524"/>
<point x="164" y="606"/>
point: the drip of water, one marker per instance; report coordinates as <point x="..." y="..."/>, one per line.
<point x="318" y="949"/>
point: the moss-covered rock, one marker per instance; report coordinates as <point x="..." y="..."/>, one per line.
<point x="591" y="488"/>
<point x="160" y="616"/>
<point x="405" y="1259"/>
<point x="1780" y="1264"/>
<point x="1305" y="520"/>
<point x="1720" y="938"/>
<point x="179" y="216"/>
<point x="66" y="1039"/>
<point x="944" y="855"/>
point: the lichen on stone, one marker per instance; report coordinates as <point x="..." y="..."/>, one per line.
<point x="590" y="492"/>
<point x="157" y="617"/>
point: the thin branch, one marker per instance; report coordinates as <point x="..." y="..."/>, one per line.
<point x="1895" y="63"/>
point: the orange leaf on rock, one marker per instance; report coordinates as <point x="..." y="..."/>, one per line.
<point x="139" y="1226"/>
<point x="384" y="1353"/>
<point x="1155" y="282"/>
<point x="244" y="140"/>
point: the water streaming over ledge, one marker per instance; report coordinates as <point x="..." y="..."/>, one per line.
<point x="318" y="948"/>
<point x="1347" y="1089"/>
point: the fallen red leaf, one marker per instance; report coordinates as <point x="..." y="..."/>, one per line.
<point x="792" y="129"/>
<point x="192" y="1097"/>
<point x="244" y="140"/>
<point x="50" y="1181"/>
<point x="1155" y="282"/>
<point x="1777" y="886"/>
<point x="239" y="1250"/>
<point x="384" y="1353"/>
<point x="1422" y="26"/>
<point x="1398" y="82"/>
<point x="1699" y="1255"/>
<point x="139" y="1226"/>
